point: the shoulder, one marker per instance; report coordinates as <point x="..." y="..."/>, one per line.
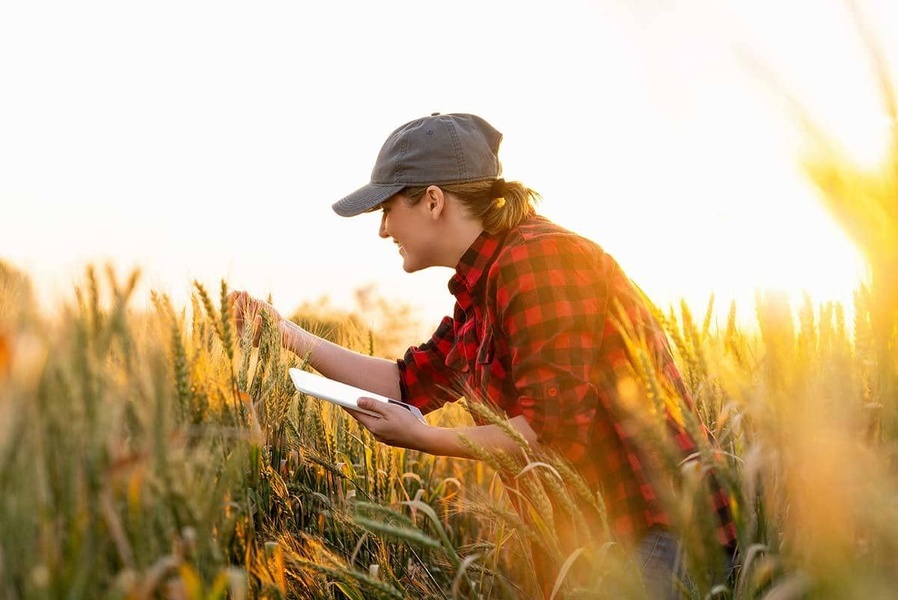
<point x="540" y="257"/>
<point x="536" y="227"/>
<point x="539" y="238"/>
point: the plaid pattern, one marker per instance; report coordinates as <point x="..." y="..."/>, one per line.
<point x="534" y="333"/>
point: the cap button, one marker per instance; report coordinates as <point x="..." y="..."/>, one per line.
<point x="435" y="114"/>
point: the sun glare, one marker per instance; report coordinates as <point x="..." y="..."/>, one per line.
<point x="671" y="165"/>
<point x="867" y="138"/>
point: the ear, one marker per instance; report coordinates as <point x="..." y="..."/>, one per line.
<point x="435" y="201"/>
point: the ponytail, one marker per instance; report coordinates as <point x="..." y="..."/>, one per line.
<point x="499" y="204"/>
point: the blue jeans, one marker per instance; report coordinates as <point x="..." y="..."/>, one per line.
<point x="661" y="562"/>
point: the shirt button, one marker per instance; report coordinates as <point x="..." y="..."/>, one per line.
<point x="553" y="392"/>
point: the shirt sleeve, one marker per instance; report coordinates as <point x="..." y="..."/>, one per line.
<point x="551" y="302"/>
<point x="424" y="378"/>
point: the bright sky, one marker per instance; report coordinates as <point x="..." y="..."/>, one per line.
<point x="207" y="140"/>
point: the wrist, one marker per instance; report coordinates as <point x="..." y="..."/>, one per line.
<point x="290" y="335"/>
<point x="286" y="334"/>
<point x="427" y="439"/>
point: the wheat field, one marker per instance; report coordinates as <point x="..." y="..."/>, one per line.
<point x="159" y="455"/>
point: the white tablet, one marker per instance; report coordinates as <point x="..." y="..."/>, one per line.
<point x="341" y="393"/>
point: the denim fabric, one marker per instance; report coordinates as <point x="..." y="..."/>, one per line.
<point x="663" y="568"/>
<point x="660" y="561"/>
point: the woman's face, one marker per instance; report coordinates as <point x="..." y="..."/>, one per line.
<point x="411" y="229"/>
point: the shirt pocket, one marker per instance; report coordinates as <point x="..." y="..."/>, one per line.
<point x="456" y="360"/>
<point x="486" y="352"/>
<point x="460" y="355"/>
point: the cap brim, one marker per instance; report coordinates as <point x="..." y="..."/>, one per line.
<point x="364" y="199"/>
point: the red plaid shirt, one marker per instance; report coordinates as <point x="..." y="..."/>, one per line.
<point x="533" y="333"/>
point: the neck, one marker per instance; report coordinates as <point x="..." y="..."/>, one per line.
<point x="464" y="240"/>
<point x="456" y="230"/>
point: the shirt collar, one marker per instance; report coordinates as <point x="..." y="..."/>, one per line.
<point x="469" y="278"/>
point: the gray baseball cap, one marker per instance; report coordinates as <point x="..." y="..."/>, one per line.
<point x="434" y="150"/>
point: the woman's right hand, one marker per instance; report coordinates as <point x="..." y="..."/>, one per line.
<point x="247" y="311"/>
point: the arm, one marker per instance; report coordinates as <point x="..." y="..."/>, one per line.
<point x="331" y="360"/>
<point x="444" y="441"/>
<point x="379" y="375"/>
<point x="551" y="305"/>
<point x="398" y="427"/>
<point x="394" y="425"/>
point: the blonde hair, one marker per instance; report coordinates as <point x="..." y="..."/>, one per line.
<point x="499" y="204"/>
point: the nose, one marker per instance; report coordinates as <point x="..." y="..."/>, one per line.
<point x="383" y="226"/>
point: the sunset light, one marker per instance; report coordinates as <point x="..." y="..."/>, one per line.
<point x="723" y="424"/>
<point x="664" y="147"/>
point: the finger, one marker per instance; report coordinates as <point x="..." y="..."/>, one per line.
<point x="372" y="405"/>
<point x="352" y="413"/>
<point x="237" y="298"/>
<point x="257" y="328"/>
<point x="366" y="421"/>
<point x="237" y="302"/>
<point x="236" y="312"/>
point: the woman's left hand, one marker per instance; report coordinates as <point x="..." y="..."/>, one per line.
<point x="394" y="425"/>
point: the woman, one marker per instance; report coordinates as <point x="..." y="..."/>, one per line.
<point x="535" y="332"/>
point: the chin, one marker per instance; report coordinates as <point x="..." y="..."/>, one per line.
<point x="410" y="266"/>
